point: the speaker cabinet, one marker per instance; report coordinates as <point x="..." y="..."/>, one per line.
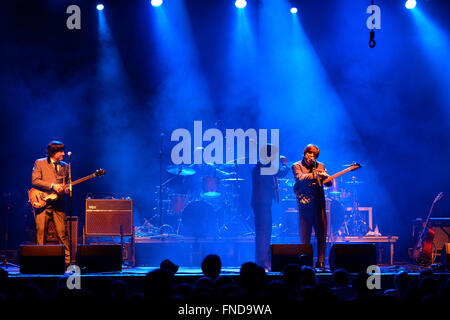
<point x="99" y="258"/>
<point x="445" y="256"/>
<point x="353" y="257"/>
<point x="109" y="217"/>
<point x="42" y="259"/>
<point x="283" y="254"/>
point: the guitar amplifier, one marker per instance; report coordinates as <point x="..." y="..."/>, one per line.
<point x="109" y="217"/>
<point x="441" y="228"/>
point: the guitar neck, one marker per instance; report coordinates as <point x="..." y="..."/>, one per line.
<point x="439" y="196"/>
<point x="83" y="179"/>
<point x="334" y="176"/>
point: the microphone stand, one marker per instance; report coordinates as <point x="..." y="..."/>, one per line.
<point x="316" y="175"/>
<point x="160" y="181"/>
<point x="70" y="207"/>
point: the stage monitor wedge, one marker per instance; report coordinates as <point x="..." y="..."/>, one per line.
<point x="353" y="257"/>
<point x="283" y="254"/>
<point x="96" y="258"/>
<point x="42" y="259"/>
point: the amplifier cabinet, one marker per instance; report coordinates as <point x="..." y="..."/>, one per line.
<point x="109" y="217"/>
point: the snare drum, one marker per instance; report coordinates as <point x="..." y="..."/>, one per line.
<point x="210" y="187"/>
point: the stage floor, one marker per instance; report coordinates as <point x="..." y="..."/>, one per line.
<point x="194" y="273"/>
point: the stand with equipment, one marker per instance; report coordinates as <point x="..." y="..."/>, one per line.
<point x="70" y="208"/>
<point x="4" y="253"/>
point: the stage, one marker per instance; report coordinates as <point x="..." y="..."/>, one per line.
<point x="178" y="130"/>
<point x="189" y="251"/>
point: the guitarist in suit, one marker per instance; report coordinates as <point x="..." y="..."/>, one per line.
<point x="51" y="174"/>
<point x="309" y="175"/>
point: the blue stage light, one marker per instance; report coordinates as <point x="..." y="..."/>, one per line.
<point x="410" y="4"/>
<point x="240" y="4"/>
<point x="100" y="7"/>
<point x="156" y="3"/>
<point x="294" y="10"/>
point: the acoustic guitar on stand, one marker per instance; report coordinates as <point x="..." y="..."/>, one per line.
<point x="422" y="251"/>
<point x="39" y="199"/>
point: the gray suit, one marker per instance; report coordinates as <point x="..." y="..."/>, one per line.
<point x="43" y="176"/>
<point x="311" y="205"/>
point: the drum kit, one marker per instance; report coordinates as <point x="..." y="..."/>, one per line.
<point x="203" y="201"/>
<point x="198" y="200"/>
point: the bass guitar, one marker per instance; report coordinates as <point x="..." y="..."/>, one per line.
<point x="421" y="252"/>
<point x="304" y="196"/>
<point x="39" y="199"/>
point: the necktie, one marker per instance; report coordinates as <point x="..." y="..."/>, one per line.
<point x="56" y="166"/>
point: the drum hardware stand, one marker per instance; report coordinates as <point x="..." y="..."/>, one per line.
<point x="160" y="179"/>
<point x="161" y="211"/>
<point x="69" y="154"/>
<point x="354" y="224"/>
<point x="232" y="204"/>
<point x="161" y="185"/>
<point x="4" y="262"/>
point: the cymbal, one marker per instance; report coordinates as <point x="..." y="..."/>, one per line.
<point x="179" y="170"/>
<point x="233" y="179"/>
<point x="335" y="192"/>
<point x="287" y="182"/>
<point x="354" y="182"/>
<point x="234" y="161"/>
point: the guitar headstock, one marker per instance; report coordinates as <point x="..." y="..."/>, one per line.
<point x="99" y="172"/>
<point x="354" y="166"/>
<point x="438" y="197"/>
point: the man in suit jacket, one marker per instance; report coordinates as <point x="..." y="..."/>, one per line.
<point x="309" y="175"/>
<point x="264" y="190"/>
<point x="51" y="174"/>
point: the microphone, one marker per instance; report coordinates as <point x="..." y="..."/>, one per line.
<point x="372" y="42"/>
<point x="69" y="153"/>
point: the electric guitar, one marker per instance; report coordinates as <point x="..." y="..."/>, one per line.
<point x="40" y="199"/>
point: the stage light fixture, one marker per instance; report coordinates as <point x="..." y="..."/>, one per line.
<point x="100" y="7"/>
<point x="410" y="4"/>
<point x="294" y="10"/>
<point x="240" y="4"/>
<point x="156" y="3"/>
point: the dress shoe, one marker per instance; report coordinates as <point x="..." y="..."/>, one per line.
<point x="319" y="265"/>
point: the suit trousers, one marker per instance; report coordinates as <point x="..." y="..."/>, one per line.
<point x="59" y="219"/>
<point x="313" y="216"/>
<point x="263" y="234"/>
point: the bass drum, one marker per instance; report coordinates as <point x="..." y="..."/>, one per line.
<point x="199" y="219"/>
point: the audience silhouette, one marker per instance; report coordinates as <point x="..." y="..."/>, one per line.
<point x="297" y="283"/>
